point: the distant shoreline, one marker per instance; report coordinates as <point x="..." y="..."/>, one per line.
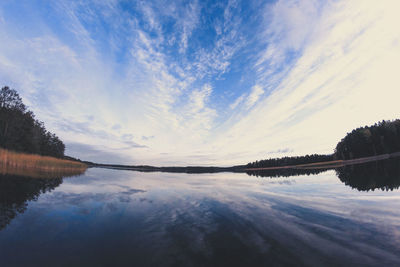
<point x="187" y="169"/>
<point x="331" y="164"/>
<point x="242" y="168"/>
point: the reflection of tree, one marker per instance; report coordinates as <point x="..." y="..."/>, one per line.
<point x="284" y="172"/>
<point x="16" y="191"/>
<point x="383" y="174"/>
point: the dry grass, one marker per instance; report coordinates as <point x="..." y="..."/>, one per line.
<point x="38" y="166"/>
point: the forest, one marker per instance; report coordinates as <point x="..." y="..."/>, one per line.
<point x="381" y="138"/>
<point x="287" y="161"/>
<point x="21" y="132"/>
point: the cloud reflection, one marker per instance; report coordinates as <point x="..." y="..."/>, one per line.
<point x="208" y="219"/>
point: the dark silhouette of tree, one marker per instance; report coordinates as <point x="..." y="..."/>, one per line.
<point x="381" y="138"/>
<point x="383" y="174"/>
<point x="20" y="131"/>
<point x="16" y="191"/>
<point x="284" y="172"/>
<point x="9" y="99"/>
<point x="288" y="161"/>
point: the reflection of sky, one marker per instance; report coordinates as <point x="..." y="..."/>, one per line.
<point x="186" y="218"/>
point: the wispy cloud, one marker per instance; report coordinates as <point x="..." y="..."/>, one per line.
<point x="228" y="80"/>
<point x="333" y="85"/>
<point x="255" y="94"/>
<point x="237" y="102"/>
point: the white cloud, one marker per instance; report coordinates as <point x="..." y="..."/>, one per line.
<point x="199" y="97"/>
<point x="344" y="74"/>
<point x="292" y="22"/>
<point x="189" y="22"/>
<point x="256" y="92"/>
<point x="345" y="78"/>
<point x="288" y="27"/>
<point x="238" y="101"/>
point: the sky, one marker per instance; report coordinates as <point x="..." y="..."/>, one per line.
<point x="202" y="82"/>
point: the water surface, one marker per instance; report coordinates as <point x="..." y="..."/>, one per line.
<point x="114" y="217"/>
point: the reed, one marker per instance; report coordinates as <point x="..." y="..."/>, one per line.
<point x="38" y="166"/>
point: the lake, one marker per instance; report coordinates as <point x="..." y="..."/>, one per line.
<point x="116" y="217"/>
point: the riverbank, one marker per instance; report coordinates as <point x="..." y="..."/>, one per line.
<point x="38" y="166"/>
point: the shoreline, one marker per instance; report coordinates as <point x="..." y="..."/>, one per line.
<point x="38" y="166"/>
<point x="242" y="168"/>
<point x="331" y="164"/>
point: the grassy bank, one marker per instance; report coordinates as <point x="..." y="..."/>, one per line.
<point x="38" y="166"/>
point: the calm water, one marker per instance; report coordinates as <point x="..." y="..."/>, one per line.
<point x="114" y="217"/>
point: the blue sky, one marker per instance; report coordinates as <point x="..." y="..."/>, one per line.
<point x="202" y="82"/>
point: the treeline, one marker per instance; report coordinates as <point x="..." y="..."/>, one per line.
<point x="287" y="161"/>
<point x="20" y="131"/>
<point x="187" y="169"/>
<point x="381" y="138"/>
